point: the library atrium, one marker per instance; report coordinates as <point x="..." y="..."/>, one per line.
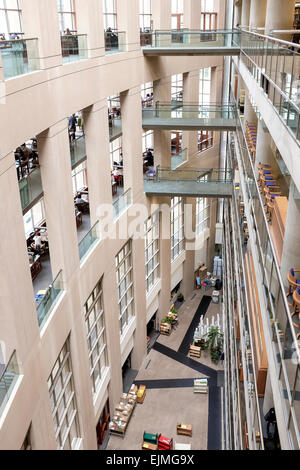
<point x="149" y="205"/>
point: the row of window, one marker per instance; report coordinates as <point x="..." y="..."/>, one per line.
<point x="11" y="16"/>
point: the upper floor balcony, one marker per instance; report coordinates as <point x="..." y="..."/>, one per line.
<point x="19" y="56"/>
<point x="74" y="48"/>
<point x="8" y="378"/>
<point x="191" y="42"/>
<point x="115" y="41"/>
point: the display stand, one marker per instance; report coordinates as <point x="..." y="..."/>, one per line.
<point x="165" y="329"/>
<point x="150" y="441"/>
<point x="195" y="351"/>
<point x="200" y="386"/>
<point x="164" y="443"/>
<point x="123" y="412"/>
<point x="141" y="394"/>
<point x="185" y="429"/>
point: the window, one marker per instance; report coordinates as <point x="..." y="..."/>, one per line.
<point x="63" y="400"/>
<point x="152" y="250"/>
<point x="110" y="14"/>
<point x="204" y="86"/>
<point x="209" y="22"/>
<point x="96" y="339"/>
<point x="205" y="140"/>
<point x="79" y="177"/>
<point x="177" y="87"/>
<point x="202" y="215"/>
<point x="177" y="14"/>
<point x="148" y="140"/>
<point x="207" y="5"/>
<point x="116" y="151"/>
<point x="67" y="17"/>
<point x="34" y="217"/>
<point x="10" y="18"/>
<point x="124" y="274"/>
<point x="177" y="227"/>
<point x="145" y="14"/>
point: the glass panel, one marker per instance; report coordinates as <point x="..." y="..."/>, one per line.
<point x="88" y="241"/>
<point x="49" y="300"/>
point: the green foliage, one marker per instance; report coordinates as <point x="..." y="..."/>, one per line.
<point x="180" y="297"/>
<point x="174" y="310"/>
<point x="214" y="342"/>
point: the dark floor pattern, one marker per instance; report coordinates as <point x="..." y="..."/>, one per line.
<point x="214" y="432"/>
<point x="189" y="336"/>
<point x="167" y="383"/>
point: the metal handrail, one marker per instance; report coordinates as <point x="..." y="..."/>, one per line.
<point x="7" y="364"/>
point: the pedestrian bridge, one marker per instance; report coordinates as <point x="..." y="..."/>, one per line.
<point x="190" y="117"/>
<point x="193" y="43"/>
<point x="190" y="183"/>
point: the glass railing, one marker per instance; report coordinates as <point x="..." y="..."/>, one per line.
<point x="49" y="300"/>
<point x="275" y="65"/>
<point x="77" y="150"/>
<point x="202" y="175"/>
<point x="115" y="128"/>
<point x="284" y="341"/>
<point x="146" y="38"/>
<point x="177" y="160"/>
<point x="115" y="42"/>
<point x="194" y="38"/>
<point x="74" y="47"/>
<point x="88" y="241"/>
<point x="122" y="204"/>
<point x="19" y="56"/>
<point x="8" y="380"/>
<point x="30" y="188"/>
<point x="179" y="110"/>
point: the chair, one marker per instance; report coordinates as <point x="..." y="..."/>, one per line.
<point x="296" y="306"/>
<point x="293" y="281"/>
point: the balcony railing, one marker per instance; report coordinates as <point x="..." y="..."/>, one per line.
<point x="115" y="42"/>
<point x="86" y="244"/>
<point x="77" y="150"/>
<point x="30" y="188"/>
<point x="177" y="160"/>
<point x="74" y="48"/>
<point x="180" y="110"/>
<point x="122" y="204"/>
<point x="192" y="38"/>
<point x="202" y="175"/>
<point x="8" y="380"/>
<point x="49" y="300"/>
<point x="19" y="56"/>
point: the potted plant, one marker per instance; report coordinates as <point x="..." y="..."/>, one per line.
<point x="214" y="343"/>
<point x="180" y="297"/>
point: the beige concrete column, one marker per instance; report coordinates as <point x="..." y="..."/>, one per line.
<point x="216" y="84"/>
<point x="162" y="139"/>
<point x="249" y="113"/>
<point x="279" y="15"/>
<point x="190" y="95"/>
<point x="237" y="14"/>
<point x="128" y="20"/>
<point x="138" y="259"/>
<point x="161" y="14"/>
<point x="291" y="243"/>
<point x="112" y="327"/>
<point x="2" y="90"/>
<point x="264" y="152"/>
<point x="40" y="20"/>
<point x="132" y="141"/>
<point x="98" y="158"/>
<point x="192" y="14"/>
<point x="189" y="263"/>
<point x="245" y="12"/>
<point x="89" y="19"/>
<point x="165" y="257"/>
<point x="55" y="163"/>
<point x="211" y="242"/>
<point x="258" y="13"/>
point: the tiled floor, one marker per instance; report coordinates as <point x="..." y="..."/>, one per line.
<point x="174" y="401"/>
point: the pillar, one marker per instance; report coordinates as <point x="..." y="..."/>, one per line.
<point x="90" y="21"/>
<point x="211" y="242"/>
<point x="161" y="14"/>
<point x="264" y="152"/>
<point x="40" y="20"/>
<point x="55" y="164"/>
<point x="258" y="13"/>
<point x="245" y="13"/>
<point x="132" y="141"/>
<point x="165" y="258"/>
<point x="128" y="20"/>
<point x="98" y="157"/>
<point x="291" y="242"/>
<point x="192" y="14"/>
<point x="162" y="139"/>
<point x="250" y="115"/>
<point x="280" y="16"/>
<point x="190" y="95"/>
<point x="188" y="280"/>
<point x="237" y="14"/>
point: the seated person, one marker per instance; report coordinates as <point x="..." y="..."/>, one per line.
<point x="37" y="244"/>
<point x="149" y="157"/>
<point x="81" y="204"/>
<point x="116" y="174"/>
